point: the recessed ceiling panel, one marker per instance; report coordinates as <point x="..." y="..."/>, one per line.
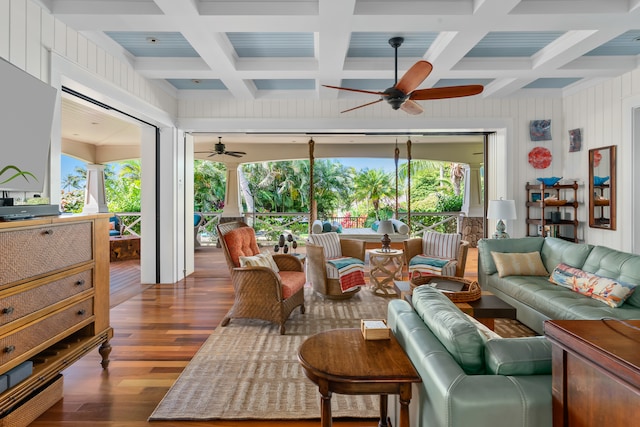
<point x="376" y="45"/>
<point x="368" y="84"/>
<point x="279" y="45"/>
<point x="552" y="83"/>
<point x="197" y="84"/>
<point x="625" y="44"/>
<point x="459" y="82"/>
<point x="153" y="44"/>
<point x="285" y="84"/>
<point x="512" y="43"/>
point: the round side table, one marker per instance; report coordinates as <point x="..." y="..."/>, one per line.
<point x="385" y="267"/>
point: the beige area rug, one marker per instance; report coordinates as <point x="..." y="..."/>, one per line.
<point x="247" y="370"/>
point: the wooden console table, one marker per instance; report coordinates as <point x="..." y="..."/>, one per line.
<point x="596" y="372"/>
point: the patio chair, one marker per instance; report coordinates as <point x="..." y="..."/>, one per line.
<point x="198" y="220"/>
<point x="114" y="226"/>
<point x="269" y="287"/>
<point x="322" y="274"/>
<point x="443" y="254"/>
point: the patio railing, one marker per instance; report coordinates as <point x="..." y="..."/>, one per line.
<point x="269" y="226"/>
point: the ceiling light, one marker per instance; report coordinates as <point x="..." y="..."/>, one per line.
<point x="196" y="81"/>
<point x="152" y="40"/>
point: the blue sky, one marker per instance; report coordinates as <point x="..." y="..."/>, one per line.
<point x="69" y="164"/>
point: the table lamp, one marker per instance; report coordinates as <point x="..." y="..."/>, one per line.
<point x="385" y="227"/>
<point x="501" y="210"/>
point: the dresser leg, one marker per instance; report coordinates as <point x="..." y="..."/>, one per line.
<point x="105" y="351"/>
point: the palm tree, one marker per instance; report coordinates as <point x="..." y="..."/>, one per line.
<point x="209" y="181"/>
<point x="71" y="182"/>
<point x="376" y="186"/>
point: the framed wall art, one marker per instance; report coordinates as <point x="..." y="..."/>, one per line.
<point x="575" y="140"/>
<point x="540" y="130"/>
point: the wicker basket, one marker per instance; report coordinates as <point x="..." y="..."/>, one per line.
<point x="470" y="292"/>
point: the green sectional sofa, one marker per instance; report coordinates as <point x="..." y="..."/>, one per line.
<point x="468" y="380"/>
<point x="537" y="299"/>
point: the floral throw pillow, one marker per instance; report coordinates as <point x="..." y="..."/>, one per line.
<point x="573" y="278"/>
<point x="609" y="291"/>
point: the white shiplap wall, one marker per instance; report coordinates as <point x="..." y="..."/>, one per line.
<point x="600" y="112"/>
<point x="28" y="34"/>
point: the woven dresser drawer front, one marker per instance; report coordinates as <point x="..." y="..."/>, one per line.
<point x="31" y="252"/>
<point x="16" y="344"/>
<point x="19" y="305"/>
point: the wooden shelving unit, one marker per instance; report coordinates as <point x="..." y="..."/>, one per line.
<point x="540" y="224"/>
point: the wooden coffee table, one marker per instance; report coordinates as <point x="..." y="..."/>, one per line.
<point x="342" y="361"/>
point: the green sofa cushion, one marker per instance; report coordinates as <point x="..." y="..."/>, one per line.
<point x="623" y="266"/>
<point x="523" y="244"/>
<point x="452" y="328"/>
<point x="518" y="356"/>
<point x="557" y="251"/>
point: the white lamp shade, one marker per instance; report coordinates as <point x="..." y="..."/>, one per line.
<point x="501" y="209"/>
<point x="385" y="227"/>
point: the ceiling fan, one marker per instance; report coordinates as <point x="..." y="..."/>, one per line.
<point x="219" y="148"/>
<point x="402" y="95"/>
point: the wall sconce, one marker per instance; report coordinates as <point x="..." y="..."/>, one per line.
<point x="501" y="210"/>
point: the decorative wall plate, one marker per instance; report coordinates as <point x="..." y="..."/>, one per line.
<point x="540" y="158"/>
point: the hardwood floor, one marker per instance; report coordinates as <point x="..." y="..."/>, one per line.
<point x="158" y="328"/>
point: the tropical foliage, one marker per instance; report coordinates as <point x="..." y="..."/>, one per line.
<point x="339" y="191"/>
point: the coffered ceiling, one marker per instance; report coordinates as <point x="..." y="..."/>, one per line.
<point x="285" y="49"/>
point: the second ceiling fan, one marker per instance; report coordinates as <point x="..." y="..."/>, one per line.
<point x="402" y="95"/>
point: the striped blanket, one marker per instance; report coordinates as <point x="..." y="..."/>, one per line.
<point x="350" y="272"/>
<point x="421" y="264"/>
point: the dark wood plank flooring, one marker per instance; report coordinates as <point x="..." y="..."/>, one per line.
<point x="158" y="329"/>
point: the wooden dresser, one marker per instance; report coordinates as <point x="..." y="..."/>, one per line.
<point x="54" y="302"/>
<point x="596" y="372"/>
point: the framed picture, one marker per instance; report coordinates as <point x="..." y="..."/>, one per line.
<point x="540" y="130"/>
<point x="535" y="197"/>
<point x="575" y="140"/>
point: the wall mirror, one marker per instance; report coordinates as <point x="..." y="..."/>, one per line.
<point x="602" y="187"/>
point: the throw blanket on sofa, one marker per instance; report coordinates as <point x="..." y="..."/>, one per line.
<point x="350" y="272"/>
<point x="421" y="264"/>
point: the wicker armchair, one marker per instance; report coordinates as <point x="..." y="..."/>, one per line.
<point x="317" y="268"/>
<point x="416" y="246"/>
<point x="260" y="292"/>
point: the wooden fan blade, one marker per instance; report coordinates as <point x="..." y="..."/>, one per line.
<point x="201" y="152"/>
<point x="411" y="107"/>
<point x="212" y="154"/>
<point x="360" y="106"/>
<point x="356" y="90"/>
<point x="235" y="153"/>
<point x="446" y="92"/>
<point x="414" y="76"/>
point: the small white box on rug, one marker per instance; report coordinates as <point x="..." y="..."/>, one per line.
<point x="374" y="329"/>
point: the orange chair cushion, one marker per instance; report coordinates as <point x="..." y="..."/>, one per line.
<point x="241" y="242"/>
<point x="292" y="282"/>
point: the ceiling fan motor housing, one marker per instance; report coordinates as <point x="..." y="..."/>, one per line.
<point x="395" y="97"/>
<point x="219" y="148"/>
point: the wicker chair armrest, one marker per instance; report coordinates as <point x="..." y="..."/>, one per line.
<point x="256" y="279"/>
<point x="412" y="247"/>
<point x="353" y="248"/>
<point x="462" y="258"/>
<point x="288" y="262"/>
